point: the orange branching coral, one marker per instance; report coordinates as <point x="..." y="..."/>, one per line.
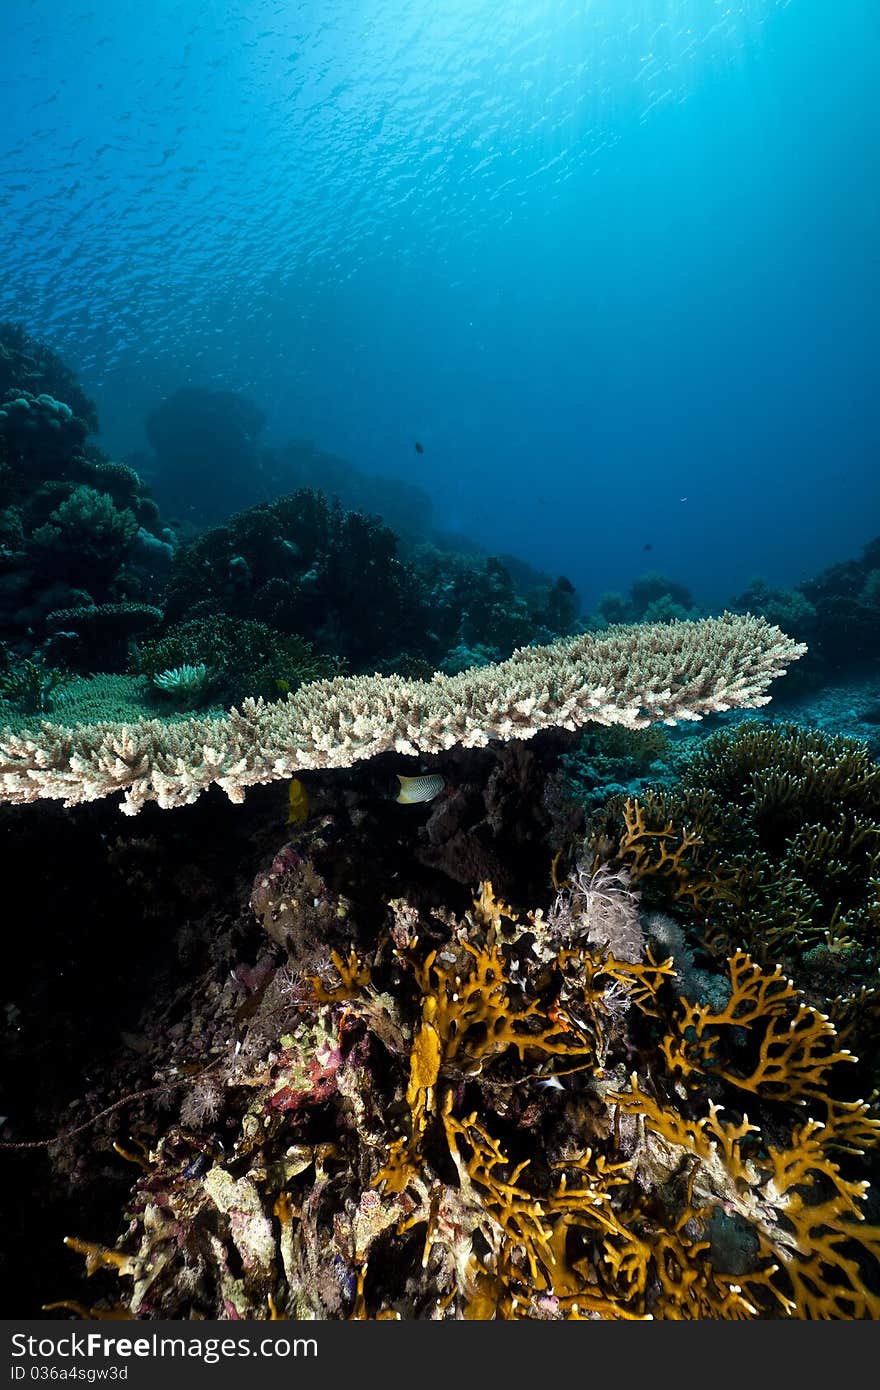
<point x="469" y="1015"/>
<point x="670" y="852"/>
<point x="354" y="979"/>
<point x="485" y="1170"/>
<point x="510" y="1121"/>
<point x="803" y="1213"/>
<point x="89" y="1314"/>
<point x="597" y="987"/>
<point x="524" y="1262"/>
<point x="490" y="911"/>
<point x="101" y="1257"/>
<point x="784" y="823"/>
<point x="476" y="1014"/>
<point x="794" y="1053"/>
<point x="642" y="979"/>
<point x="589" y="1243"/>
<point x="671" y="1270"/>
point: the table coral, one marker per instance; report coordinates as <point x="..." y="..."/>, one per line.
<point x="631" y="676"/>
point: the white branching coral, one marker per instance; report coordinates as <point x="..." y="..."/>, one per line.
<point x="634" y="676"/>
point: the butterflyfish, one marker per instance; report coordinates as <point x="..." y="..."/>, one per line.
<point x="423" y="788"/>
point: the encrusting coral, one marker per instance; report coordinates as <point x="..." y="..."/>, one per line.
<point x="633" y="676"/>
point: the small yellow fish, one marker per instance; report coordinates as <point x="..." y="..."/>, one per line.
<point x="297" y="803"/>
<point x="423" y="788"/>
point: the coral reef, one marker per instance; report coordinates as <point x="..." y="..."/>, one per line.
<point x="479" y="610"/>
<point x="38" y="433"/>
<point x="837" y="612"/>
<point x="652" y="598"/>
<point x="769" y="842"/>
<point x="495" y="1115"/>
<point x="85" y="538"/>
<point x="617" y="761"/>
<point x="242" y="658"/>
<point x="630" y="676"/>
<point x="28" y="686"/>
<point x="302" y="566"/>
<point x="98" y="636"/>
<point x="378" y="1097"/>
<point x="205" y="442"/>
<point x="76" y="529"/>
<point x="28" y="364"/>
<point x="441" y="1054"/>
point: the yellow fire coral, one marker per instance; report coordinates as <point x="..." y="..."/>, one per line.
<point x="653" y="846"/>
<point x="518" y="1124"/>
<point x="788" y="1204"/>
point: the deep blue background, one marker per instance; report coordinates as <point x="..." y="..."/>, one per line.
<point x="613" y="263"/>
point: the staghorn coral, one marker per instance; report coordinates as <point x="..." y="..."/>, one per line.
<point x="631" y="676"/>
<point x="783" y="775"/>
<point x="556" y="1156"/>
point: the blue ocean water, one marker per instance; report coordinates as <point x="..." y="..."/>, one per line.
<point x="611" y="262"/>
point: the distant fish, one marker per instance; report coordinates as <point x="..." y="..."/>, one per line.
<point x="424" y="788"/>
<point x="297" y="803"/>
<point x="420" y="448"/>
<point x="647" y="546"/>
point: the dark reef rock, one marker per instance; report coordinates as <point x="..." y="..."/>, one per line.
<point x="205" y="443"/>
